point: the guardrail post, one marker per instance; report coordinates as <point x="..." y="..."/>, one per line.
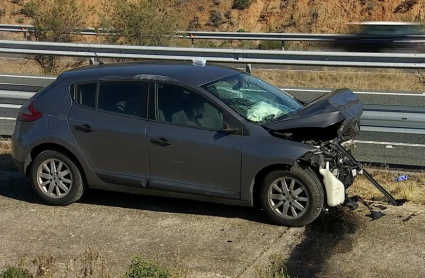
<point x="248" y="68"/>
<point x="192" y="38"/>
<point x="24" y="32"/>
<point x="283" y="45"/>
<point x="91" y="61"/>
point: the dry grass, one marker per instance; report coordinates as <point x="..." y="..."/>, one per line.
<point x="23" y="66"/>
<point x="91" y="264"/>
<point x="383" y="80"/>
<point x="412" y="190"/>
<point x="19" y="66"/>
<point x="5" y="147"/>
<point x="274" y="268"/>
<point x="5" y="155"/>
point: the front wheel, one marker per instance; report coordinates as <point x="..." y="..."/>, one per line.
<point x="292" y="198"/>
<point x="56" y="178"/>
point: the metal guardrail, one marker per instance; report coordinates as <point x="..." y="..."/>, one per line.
<point x="244" y="56"/>
<point x="30" y="28"/>
<point x="278" y="36"/>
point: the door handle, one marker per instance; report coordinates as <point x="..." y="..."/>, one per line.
<point x="161" y="142"/>
<point x="84" y="128"/>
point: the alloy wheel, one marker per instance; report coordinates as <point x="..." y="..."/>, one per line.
<point x="54" y="178"/>
<point x="288" y="198"/>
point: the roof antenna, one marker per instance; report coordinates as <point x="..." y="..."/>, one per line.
<point x="95" y="54"/>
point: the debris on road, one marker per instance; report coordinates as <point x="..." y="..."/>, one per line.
<point x="401" y="178"/>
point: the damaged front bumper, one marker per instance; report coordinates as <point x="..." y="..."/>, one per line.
<point x="333" y="161"/>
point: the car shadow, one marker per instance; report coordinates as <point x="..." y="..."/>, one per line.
<point x="172" y="205"/>
<point x="330" y="234"/>
<point x="16" y="186"/>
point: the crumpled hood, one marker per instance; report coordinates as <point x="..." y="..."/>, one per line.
<point x="340" y="105"/>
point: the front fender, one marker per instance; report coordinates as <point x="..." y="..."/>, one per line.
<point x="258" y="155"/>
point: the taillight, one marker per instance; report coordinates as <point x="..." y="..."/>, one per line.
<point x="28" y="113"/>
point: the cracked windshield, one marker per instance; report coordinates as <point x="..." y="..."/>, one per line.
<point x="253" y="98"/>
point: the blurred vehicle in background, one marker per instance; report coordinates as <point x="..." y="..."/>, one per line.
<point x="380" y="37"/>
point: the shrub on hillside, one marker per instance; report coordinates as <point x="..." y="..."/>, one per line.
<point x="148" y="22"/>
<point x="194" y="24"/>
<point x="54" y="21"/>
<point x="215" y="18"/>
<point x="241" y="4"/>
<point x="17" y="2"/>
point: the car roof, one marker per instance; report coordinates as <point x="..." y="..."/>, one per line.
<point x="184" y="72"/>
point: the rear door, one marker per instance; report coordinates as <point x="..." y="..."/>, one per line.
<point x="108" y="122"/>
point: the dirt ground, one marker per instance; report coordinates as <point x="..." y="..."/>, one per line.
<point x="351" y="245"/>
<point x="203" y="239"/>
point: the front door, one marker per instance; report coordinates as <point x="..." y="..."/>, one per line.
<point x="108" y="123"/>
<point x="188" y="153"/>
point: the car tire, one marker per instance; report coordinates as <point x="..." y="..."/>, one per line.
<point x="297" y="204"/>
<point x="56" y="178"/>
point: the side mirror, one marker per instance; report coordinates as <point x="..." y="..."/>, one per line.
<point x="228" y="130"/>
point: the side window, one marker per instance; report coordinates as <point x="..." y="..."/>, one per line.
<point x="180" y="106"/>
<point x="129" y="98"/>
<point x="86" y="95"/>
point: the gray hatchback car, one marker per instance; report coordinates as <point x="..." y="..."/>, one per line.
<point x="194" y="131"/>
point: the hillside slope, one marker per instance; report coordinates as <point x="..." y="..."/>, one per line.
<point x="312" y="16"/>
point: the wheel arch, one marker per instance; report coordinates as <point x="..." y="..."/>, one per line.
<point x="259" y="177"/>
<point x="55" y="147"/>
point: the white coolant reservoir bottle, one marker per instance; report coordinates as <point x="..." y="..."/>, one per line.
<point x="335" y="191"/>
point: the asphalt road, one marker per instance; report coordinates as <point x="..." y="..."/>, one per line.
<point x="372" y="145"/>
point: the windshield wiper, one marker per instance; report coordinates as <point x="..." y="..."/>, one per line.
<point x="282" y="116"/>
<point x="285" y="115"/>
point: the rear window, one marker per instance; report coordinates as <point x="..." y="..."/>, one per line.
<point x="129" y="98"/>
<point x="86" y="95"/>
<point x="124" y="97"/>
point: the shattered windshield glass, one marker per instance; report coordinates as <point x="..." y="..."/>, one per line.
<point x="253" y="98"/>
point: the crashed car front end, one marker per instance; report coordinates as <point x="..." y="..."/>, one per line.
<point x="338" y="169"/>
<point x="329" y="124"/>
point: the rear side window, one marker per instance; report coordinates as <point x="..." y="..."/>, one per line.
<point x="86" y="95"/>
<point x="128" y="98"/>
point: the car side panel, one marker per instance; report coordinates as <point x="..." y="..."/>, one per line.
<point x="24" y="138"/>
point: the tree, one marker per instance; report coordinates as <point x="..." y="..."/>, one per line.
<point x="54" y="21"/>
<point x="140" y="22"/>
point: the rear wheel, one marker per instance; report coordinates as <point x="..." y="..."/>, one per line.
<point x="292" y="198"/>
<point x="56" y="178"/>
